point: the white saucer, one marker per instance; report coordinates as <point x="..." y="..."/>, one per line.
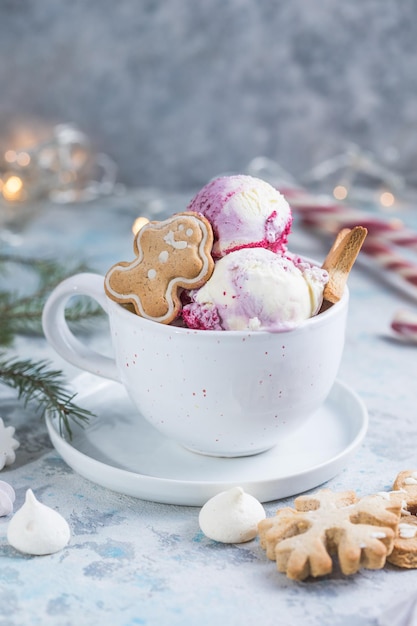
<point x="121" y="451"/>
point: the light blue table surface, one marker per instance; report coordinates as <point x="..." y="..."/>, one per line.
<point x="132" y="562"/>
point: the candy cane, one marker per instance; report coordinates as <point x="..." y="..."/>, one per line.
<point x="404" y="324"/>
<point x="331" y="217"/>
<point x="379" y="249"/>
<point x="387" y="258"/>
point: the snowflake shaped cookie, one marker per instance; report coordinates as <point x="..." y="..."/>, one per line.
<point x="8" y="445"/>
<point x="303" y="540"/>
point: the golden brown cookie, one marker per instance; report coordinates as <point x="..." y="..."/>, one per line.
<point x="303" y="540"/>
<point x="404" y="552"/>
<point x="406" y="482"/>
<point x="339" y="261"/>
<point x="170" y="256"/>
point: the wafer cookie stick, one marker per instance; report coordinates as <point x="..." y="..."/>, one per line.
<point x="339" y="262"/>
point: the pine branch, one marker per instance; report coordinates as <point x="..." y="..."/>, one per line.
<point x="35" y="381"/>
<point x="48" y="271"/>
<point x="22" y="314"/>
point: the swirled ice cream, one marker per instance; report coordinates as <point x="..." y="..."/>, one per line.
<point x="37" y="529"/>
<point x="256" y="283"/>
<point x="244" y="212"/>
<point x="256" y="289"/>
<point x="231" y="516"/>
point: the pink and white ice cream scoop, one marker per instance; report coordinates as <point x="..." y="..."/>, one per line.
<point x="245" y="212"/>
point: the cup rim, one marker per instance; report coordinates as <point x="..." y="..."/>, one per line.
<point x="319" y="319"/>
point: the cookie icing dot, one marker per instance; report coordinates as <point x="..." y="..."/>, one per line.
<point x="407" y="531"/>
<point x="411" y="480"/>
<point x="151" y="274"/>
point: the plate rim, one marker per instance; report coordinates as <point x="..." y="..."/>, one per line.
<point x="206" y="487"/>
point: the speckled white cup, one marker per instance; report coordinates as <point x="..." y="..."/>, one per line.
<point x="221" y="393"/>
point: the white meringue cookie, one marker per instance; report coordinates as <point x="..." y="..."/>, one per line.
<point x="231" y="516"/>
<point x="7" y="497"/>
<point x="37" y="529"/>
<point x="8" y="445"/>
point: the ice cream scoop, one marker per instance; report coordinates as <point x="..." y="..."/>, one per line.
<point x="245" y="212"/>
<point x="256" y="289"/>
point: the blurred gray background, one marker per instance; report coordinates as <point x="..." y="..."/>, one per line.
<point x="178" y="91"/>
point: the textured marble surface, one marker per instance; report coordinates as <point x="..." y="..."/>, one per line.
<point x="131" y="562"/>
<point x="178" y="91"/>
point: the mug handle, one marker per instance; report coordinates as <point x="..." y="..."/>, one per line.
<point x="58" y="333"/>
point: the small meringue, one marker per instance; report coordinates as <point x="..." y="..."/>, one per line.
<point x="231" y="516"/>
<point x="7" y="497"/>
<point x="8" y="445"/>
<point x="37" y="529"/>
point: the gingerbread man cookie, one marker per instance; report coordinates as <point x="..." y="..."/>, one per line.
<point x="170" y="256"/>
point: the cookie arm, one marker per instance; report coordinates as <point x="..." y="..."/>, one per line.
<point x="364" y="545"/>
<point x="304" y="555"/>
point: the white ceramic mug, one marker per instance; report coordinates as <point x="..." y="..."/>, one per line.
<point x="221" y="393"/>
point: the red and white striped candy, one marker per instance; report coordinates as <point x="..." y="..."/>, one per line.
<point x="379" y="248"/>
<point x="404" y="324"/>
<point x="387" y="258"/>
<point x="332" y="217"/>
